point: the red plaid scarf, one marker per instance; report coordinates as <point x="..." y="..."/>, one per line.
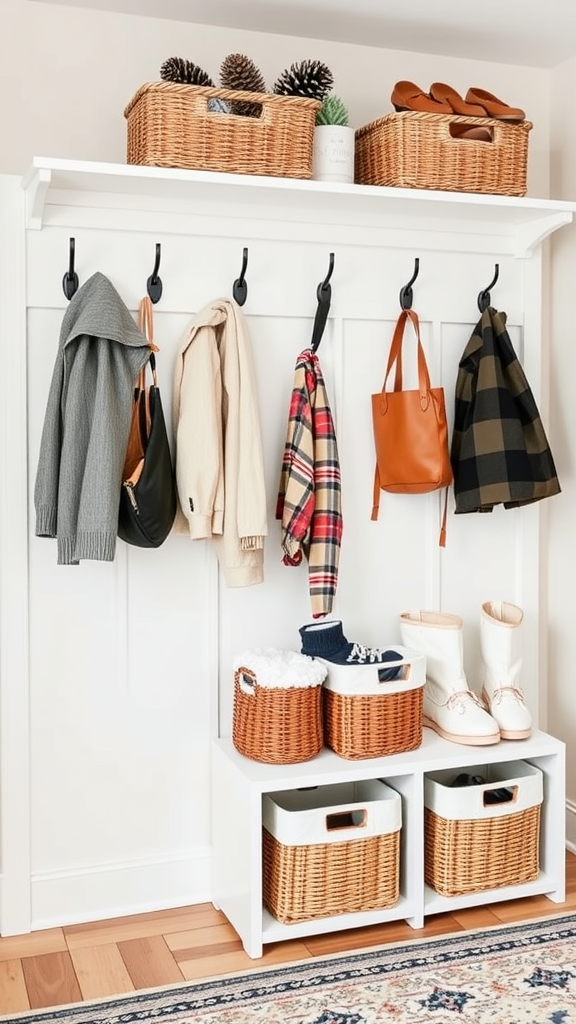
<point x="309" y="496"/>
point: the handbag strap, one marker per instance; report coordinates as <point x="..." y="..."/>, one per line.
<point x="395" y="356"/>
<point x="376" y="495"/>
<point x="146" y="324"/>
<point x="376" y="508"/>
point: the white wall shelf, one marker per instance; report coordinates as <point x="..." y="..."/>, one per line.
<point x="238" y="787"/>
<point x="526" y="221"/>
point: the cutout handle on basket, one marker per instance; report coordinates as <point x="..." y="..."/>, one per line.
<point x="346" y="819"/>
<point x="502" y="795"/>
<point x="246" y="681"/>
<point x="472" y="132"/>
<point x="392" y="674"/>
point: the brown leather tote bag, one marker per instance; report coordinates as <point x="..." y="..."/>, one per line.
<point x="410" y="430"/>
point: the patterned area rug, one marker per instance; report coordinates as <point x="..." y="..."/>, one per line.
<point x="521" y="974"/>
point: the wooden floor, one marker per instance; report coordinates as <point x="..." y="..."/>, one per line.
<point x="88" y="961"/>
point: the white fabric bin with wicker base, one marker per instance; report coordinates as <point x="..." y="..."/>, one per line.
<point x="331" y="850"/>
<point x="471" y="844"/>
<point x="368" y="713"/>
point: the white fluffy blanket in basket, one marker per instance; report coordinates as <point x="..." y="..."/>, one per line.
<point x="281" y="669"/>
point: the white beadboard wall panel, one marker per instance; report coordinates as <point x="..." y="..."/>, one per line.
<point x="122" y="681"/>
<point x="131" y="662"/>
<point x="382" y="561"/>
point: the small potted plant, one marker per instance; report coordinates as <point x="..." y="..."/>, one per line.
<point x="333" y="158"/>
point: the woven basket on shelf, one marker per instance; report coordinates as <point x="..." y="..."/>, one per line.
<point x="468" y="856"/>
<point x="305" y="882"/>
<point x="471" y="845"/>
<point x="277" y="724"/>
<point x="309" y="871"/>
<point x="365" y="717"/>
<point x="172" y="125"/>
<point x="413" y="150"/>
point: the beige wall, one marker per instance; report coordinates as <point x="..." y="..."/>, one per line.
<point x="69" y="74"/>
<point x="562" y="529"/>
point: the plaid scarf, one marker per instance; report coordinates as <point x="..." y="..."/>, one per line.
<point x="309" y="496"/>
<point x="500" y="454"/>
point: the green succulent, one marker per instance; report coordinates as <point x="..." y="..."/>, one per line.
<point x="332" y="111"/>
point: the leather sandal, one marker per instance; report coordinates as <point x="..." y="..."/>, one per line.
<point x="446" y="94"/>
<point x="408" y="96"/>
<point x="493" y="106"/>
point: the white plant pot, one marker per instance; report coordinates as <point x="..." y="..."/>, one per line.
<point x="333" y="154"/>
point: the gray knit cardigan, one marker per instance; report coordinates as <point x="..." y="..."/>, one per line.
<point x="87" y="422"/>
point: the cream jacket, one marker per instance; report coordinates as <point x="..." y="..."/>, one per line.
<point x="219" y="460"/>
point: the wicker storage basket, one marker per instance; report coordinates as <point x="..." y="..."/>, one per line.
<point x="365" y="716"/>
<point x="471" y="844"/>
<point x="277" y="715"/>
<point x="172" y="125"/>
<point x="314" y="864"/>
<point x="414" y="150"/>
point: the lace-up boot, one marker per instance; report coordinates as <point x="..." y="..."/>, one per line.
<point x="327" y="642"/>
<point x="501" y="646"/>
<point x="451" y="708"/>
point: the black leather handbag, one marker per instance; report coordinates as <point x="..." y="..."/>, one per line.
<point x="148" y="496"/>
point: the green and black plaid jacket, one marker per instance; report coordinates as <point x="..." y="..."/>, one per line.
<point x="500" y="453"/>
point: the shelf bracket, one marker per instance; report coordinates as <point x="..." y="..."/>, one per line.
<point x="36" y="185"/>
<point x="529" y="236"/>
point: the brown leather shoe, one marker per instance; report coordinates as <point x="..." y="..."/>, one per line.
<point x="408" y="96"/>
<point x="446" y="94"/>
<point x="464" y="131"/>
<point x="493" y="106"/>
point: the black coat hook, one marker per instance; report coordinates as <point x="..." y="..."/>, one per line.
<point x="324" y="291"/>
<point x="240" y="287"/>
<point x="70" y="279"/>
<point x="406" y="291"/>
<point x="484" y="299"/>
<point x="154" y="284"/>
<point x="324" y="296"/>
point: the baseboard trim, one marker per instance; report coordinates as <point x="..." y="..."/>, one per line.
<point x="571" y="826"/>
<point x="103" y="891"/>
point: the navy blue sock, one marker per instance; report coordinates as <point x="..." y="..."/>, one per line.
<point x="327" y="641"/>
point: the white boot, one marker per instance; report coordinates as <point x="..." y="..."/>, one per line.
<point x="450" y="707"/>
<point x="501" y="645"/>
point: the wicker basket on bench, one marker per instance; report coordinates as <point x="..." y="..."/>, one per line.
<point x="331" y="850"/>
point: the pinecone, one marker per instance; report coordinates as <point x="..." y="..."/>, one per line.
<point x="309" y="78"/>
<point x="178" y="69"/>
<point x="240" y="72"/>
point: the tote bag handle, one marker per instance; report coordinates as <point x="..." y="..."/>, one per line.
<point x="395" y="356"/>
